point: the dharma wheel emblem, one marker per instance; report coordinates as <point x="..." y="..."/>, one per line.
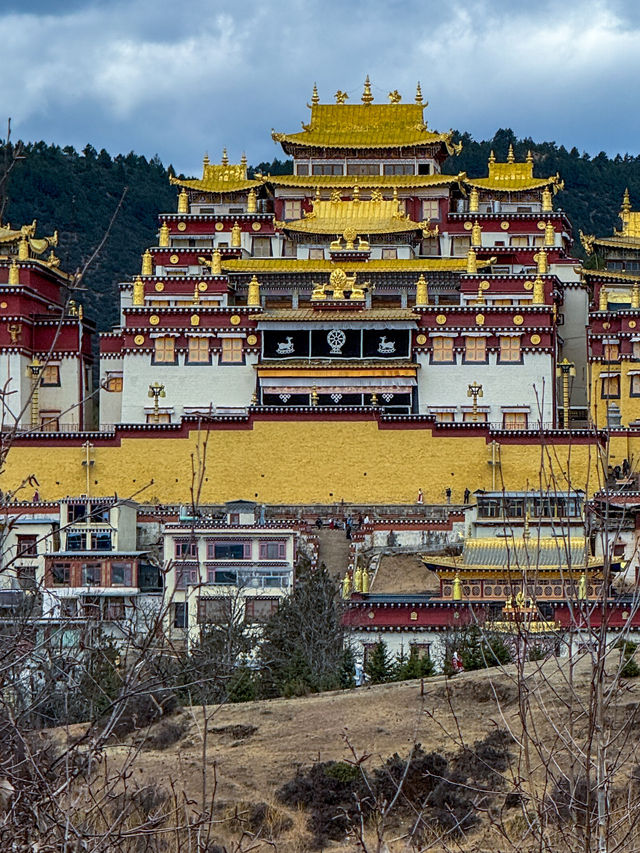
<point x="336" y="340"/>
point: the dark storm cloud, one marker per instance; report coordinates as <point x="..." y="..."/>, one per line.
<point x="198" y="75"/>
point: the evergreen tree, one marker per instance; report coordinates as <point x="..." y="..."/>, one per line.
<point x="413" y="666"/>
<point x="379" y="666"/>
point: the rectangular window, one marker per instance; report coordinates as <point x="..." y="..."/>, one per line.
<point x="520" y="241"/>
<point x="99" y="513"/>
<point x="69" y="607"/>
<point x="76" y="512"/>
<point x="430" y="247"/>
<point x="316" y="254"/>
<point x="229" y="550"/>
<point x="389" y="254"/>
<point x="49" y="421"/>
<point x="363" y="168"/>
<point x="399" y="169"/>
<point x="51" y="374"/>
<point x="76" y="540"/>
<point x="293" y="209"/>
<point x="475" y="349"/>
<point x="231" y="351"/>
<point x="61" y="574"/>
<point x="445" y="417"/>
<point x="478" y="418"/>
<point x="165" y="351"/>
<point x="460" y="246"/>
<point x="431" y="209"/>
<point x="113" y="383"/>
<point x="121" y="574"/>
<point x="214" y="610"/>
<point x="289" y="249"/>
<point x="634" y="389"/>
<point x="514" y="420"/>
<point x="272" y="550"/>
<point x="610" y="387"/>
<point x="186" y="549"/>
<point x="186" y="576"/>
<point x="101" y="541"/>
<point x="262" y="247"/>
<point x="91" y="607"/>
<point x="510" y="349"/>
<point x="636" y="350"/>
<point x="443" y="350"/>
<point x="160" y="418"/>
<point x="91" y="574"/>
<point x="27" y="546"/>
<point x="259" y="609"/>
<point x="611" y="352"/>
<point x="114" y="608"/>
<point x="302" y="168"/>
<point x="198" y="351"/>
<point x="180" y="614"/>
<point x="327" y="169"/>
<point x="421" y="650"/>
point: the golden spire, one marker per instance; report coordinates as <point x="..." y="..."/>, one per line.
<point x="147" y="263"/>
<point x="163" y="236"/>
<point x="474" y="200"/>
<point x="315" y="98"/>
<point x="23" y="249"/>
<point x="317" y="195"/>
<point x="529" y="156"/>
<point x="225" y="158"/>
<point x="138" y="292"/>
<point x="492" y="156"/>
<point x="422" y="292"/>
<point x="356" y="193"/>
<point x="472" y="263"/>
<point x="252" y="204"/>
<point x="183" y="201"/>
<point x="510" y="157"/>
<point x="418" y="94"/>
<point x="196" y="295"/>
<point x="253" y="294"/>
<point x="635" y="295"/>
<point x="14" y="273"/>
<point x="365" y="580"/>
<point x="236" y="235"/>
<point x="205" y="160"/>
<point x="243" y="160"/>
<point x="367" y="97"/>
<point x="538" y="291"/>
<point x="457" y="588"/>
<point x="626" y="203"/>
<point x="480" y="300"/>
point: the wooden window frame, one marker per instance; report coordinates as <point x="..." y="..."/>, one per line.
<point x="470" y="344"/>
<point x="48" y="382"/>
<point x="439" y="348"/>
<point x="506" y="349"/>
<point x="237" y="344"/>
<point x="158" y="345"/>
<point x="196" y="343"/>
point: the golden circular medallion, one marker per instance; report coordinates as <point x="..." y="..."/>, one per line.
<point x="441" y="319"/>
<point x="3" y="304"/>
<point x="485" y="285"/>
<point x="256" y="226"/>
<point x="632" y="324"/>
<point x="182" y="226"/>
<point x="606" y="325"/>
<point x="528" y="285"/>
<point x="195" y="320"/>
<point x="202" y="286"/>
<point x="159" y="286"/>
<point x="252" y="340"/>
<point x="139" y="340"/>
<point x="542" y="224"/>
<point x="504" y="225"/>
<point x="535" y="339"/>
<point x="154" y="319"/>
<point x="235" y="319"/>
<point x="468" y="226"/>
<point x="174" y="259"/>
<point x="518" y="319"/>
<point x="219" y="226"/>
<point x="479" y="319"/>
<point x="421" y="339"/>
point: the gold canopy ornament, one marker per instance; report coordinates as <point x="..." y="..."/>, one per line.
<point x="419" y="96"/>
<point x="367" y="97"/>
<point x="147" y="263"/>
<point x="215" y="264"/>
<point x="253" y="294"/>
<point x="422" y="292"/>
<point x="315" y="98"/>
<point x="236" y="235"/>
<point x="183" y="201"/>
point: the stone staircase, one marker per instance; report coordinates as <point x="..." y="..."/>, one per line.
<point x="333" y="550"/>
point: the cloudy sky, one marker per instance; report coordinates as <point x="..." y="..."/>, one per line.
<point x="179" y="79"/>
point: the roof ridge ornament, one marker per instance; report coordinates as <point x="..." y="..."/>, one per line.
<point x="394" y="97"/>
<point x="529" y="156"/>
<point x="340" y="96"/>
<point x="315" y="98"/>
<point x="225" y="158"/>
<point x="510" y="156"/>
<point x="419" y="95"/>
<point x="367" y="97"/>
<point x="492" y="157"/>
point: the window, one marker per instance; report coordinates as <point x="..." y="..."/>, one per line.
<point x="363" y="168"/>
<point x="198" y="351"/>
<point x="76" y="512"/>
<point x="229" y="550"/>
<point x="113" y="383"/>
<point x="475" y="349"/>
<point x="399" y="169"/>
<point x="51" y="374"/>
<point x="91" y="607"/>
<point x="262" y="247"/>
<point x="611" y="352"/>
<point x="460" y="246"/>
<point x="431" y="209"/>
<point x="445" y="417"/>
<point x="231" y="351"/>
<point x="186" y="576"/>
<point x="259" y="609"/>
<point x="478" y="418"/>
<point x="316" y="254"/>
<point x="421" y="650"/>
<point x="302" y="168"/>
<point x="289" y="249"/>
<point x="121" y="574"/>
<point x="509" y="349"/>
<point x="100" y="513"/>
<point x="91" y="574"/>
<point x="227" y="577"/>
<point x="292" y="209"/>
<point x="61" y="574"/>
<point x="636" y="350"/>
<point x="634" y="389"/>
<point x="114" y="608"/>
<point x="76" y="540"/>
<point x="160" y="418"/>
<point x="214" y="610"/>
<point x="430" y="246"/>
<point x="610" y="387"/>
<point x="520" y="241"/>
<point x="424" y="168"/>
<point x="49" y="421"/>
<point x="165" y="351"/>
<point x="443" y="350"/>
<point x="68" y="607"/>
<point x="180" y="614"/>
<point x="186" y="549"/>
<point x="275" y="550"/>
<point x="26" y="577"/>
<point x="514" y="420"/>
<point x="101" y="540"/>
<point x="327" y="169"/>
<point x="389" y="254"/>
<point x="27" y="546"/>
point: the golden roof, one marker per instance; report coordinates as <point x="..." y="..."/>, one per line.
<point x="294" y="265"/>
<point x="222" y="177"/>
<point x="511" y="554"/>
<point x="513" y="177"/>
<point x="37" y="245"/>
<point x="621" y="276"/>
<point x="366" y="126"/>
<point x="364" y="181"/>
<point x="628" y="237"/>
<point x="295" y="315"/>
<point x="374" y="216"/>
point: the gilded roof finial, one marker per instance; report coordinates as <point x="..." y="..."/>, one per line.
<point x="492" y="157"/>
<point x="367" y="97"/>
<point x="356" y="193"/>
<point x="253" y="294"/>
<point x="422" y="292"/>
<point x="317" y="196"/>
<point x="14" y="273"/>
<point x="225" y="157"/>
<point x="243" y="160"/>
<point x="626" y="202"/>
<point x="205" y="159"/>
<point x="23" y="249"/>
<point x="183" y="202"/>
<point x="529" y="156"/>
<point x="340" y="96"/>
<point x="395" y="97"/>
<point x="315" y="98"/>
<point x="418" y="94"/>
<point x="510" y="156"/>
